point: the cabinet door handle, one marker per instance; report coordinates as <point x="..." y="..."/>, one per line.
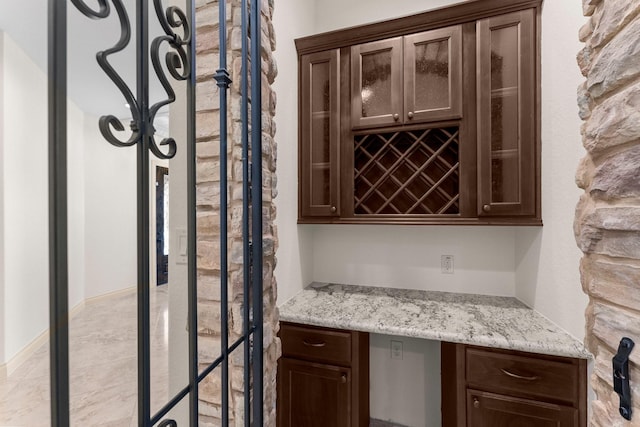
<point x="410" y="114"/>
<point x="520" y="377"/>
<point x="486" y="208"/>
<point x="343" y="378"/>
<point x="396" y="117"/>
<point x="314" y="344"/>
<point x="333" y="209"/>
<point x="476" y="402"/>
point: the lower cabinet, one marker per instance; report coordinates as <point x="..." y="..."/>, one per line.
<point x="484" y="387"/>
<point x="323" y="377"/>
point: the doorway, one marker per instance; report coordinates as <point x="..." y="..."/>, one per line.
<point x="162" y="225"/>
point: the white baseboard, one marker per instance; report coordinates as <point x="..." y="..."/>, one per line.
<point x="17" y="360"/>
<point x="10" y="366"/>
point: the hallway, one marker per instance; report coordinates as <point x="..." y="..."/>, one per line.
<point x="103" y="372"/>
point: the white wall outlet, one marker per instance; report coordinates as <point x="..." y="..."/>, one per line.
<point x="446" y="264"/>
<point x="396" y="349"/>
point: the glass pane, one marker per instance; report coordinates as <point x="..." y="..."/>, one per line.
<point x="320" y="185"/>
<point x="503" y="187"/>
<point x="505" y="144"/>
<point x="320" y="97"/>
<point x="376" y="83"/>
<point x="320" y="138"/>
<point x="432" y="75"/>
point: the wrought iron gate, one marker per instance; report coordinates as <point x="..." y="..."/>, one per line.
<point x="180" y="62"/>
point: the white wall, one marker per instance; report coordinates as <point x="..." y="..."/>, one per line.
<point x="291" y="19"/>
<point x="547" y="275"/>
<point x="407" y="390"/>
<point x="76" y="203"/>
<point x="25" y="199"/>
<point x="408" y="257"/>
<point x="110" y="214"/>
<point x="3" y="319"/>
<point x="101" y="205"/>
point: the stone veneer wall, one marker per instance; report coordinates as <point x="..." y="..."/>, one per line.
<point x="208" y="183"/>
<point x="607" y="221"/>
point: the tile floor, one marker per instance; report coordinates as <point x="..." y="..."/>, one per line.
<point x="103" y="367"/>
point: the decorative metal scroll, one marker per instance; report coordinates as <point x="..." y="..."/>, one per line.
<point x="176" y="61"/>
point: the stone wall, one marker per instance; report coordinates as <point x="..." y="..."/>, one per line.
<point x="208" y="185"/>
<point x="607" y="224"/>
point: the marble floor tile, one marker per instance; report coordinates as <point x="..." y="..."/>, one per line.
<point x="102" y="367"/>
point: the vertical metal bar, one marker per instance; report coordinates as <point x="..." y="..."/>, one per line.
<point x="256" y="206"/>
<point x="192" y="279"/>
<point x="246" y="244"/>
<point x="58" y="249"/>
<point x="222" y="77"/>
<point x="142" y="81"/>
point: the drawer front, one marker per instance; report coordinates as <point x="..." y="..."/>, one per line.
<point x="510" y="373"/>
<point x="316" y="344"/>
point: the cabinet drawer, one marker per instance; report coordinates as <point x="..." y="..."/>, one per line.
<point x="531" y="376"/>
<point x="322" y="345"/>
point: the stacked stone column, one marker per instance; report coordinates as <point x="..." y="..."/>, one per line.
<point x="208" y="191"/>
<point x="607" y="224"/>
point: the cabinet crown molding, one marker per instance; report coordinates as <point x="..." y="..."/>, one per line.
<point x="450" y="15"/>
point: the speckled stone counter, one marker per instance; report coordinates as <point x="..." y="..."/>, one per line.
<point x="499" y="322"/>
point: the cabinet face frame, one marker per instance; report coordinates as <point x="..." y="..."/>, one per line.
<point x="395" y="113"/>
<point x="306" y="137"/>
<point x="453" y="36"/>
<point x="527" y="187"/>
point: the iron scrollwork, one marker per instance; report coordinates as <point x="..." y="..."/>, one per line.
<point x="177" y="63"/>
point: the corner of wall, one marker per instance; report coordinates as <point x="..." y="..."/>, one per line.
<point x="2" y="304"/>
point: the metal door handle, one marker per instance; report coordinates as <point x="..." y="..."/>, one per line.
<point x="476" y="402"/>
<point x="396" y="117"/>
<point x="314" y="344"/>
<point x="343" y="378"/>
<point x="486" y="208"/>
<point x="410" y="114"/>
<point x="520" y="377"/>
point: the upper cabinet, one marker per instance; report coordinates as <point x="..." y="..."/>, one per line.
<point x="320" y="129"/>
<point x="506" y="112"/>
<point x="376" y="84"/>
<point x="410" y="79"/>
<point x="408" y="121"/>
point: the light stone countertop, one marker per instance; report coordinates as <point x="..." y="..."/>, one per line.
<point x="490" y="321"/>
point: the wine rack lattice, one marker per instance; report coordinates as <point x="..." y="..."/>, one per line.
<point x="413" y="172"/>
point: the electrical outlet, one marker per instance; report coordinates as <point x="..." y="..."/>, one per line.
<point x="396" y="349"/>
<point x="446" y="264"/>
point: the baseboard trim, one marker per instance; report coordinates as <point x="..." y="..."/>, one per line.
<point x="112" y="294"/>
<point x="27" y="351"/>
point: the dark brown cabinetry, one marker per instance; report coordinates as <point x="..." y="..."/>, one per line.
<point x="488" y="387"/>
<point x="428" y="119"/>
<point x="323" y="377"/>
<point x="506" y="114"/>
<point x="320" y="129"/>
<point x="410" y="79"/>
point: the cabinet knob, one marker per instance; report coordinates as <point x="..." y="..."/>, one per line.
<point x="396" y="117"/>
<point x="343" y="378"/>
<point x="486" y="208"/>
<point x="333" y="209"/>
<point x="410" y="114"/>
<point x="476" y="402"/>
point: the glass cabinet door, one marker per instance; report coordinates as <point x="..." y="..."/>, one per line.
<point x="376" y="70"/>
<point x="506" y="115"/>
<point x="320" y="133"/>
<point x="433" y="75"/>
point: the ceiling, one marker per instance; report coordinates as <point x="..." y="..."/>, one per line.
<point x="25" y="21"/>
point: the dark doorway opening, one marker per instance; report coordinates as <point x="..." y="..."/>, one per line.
<point x="162" y="223"/>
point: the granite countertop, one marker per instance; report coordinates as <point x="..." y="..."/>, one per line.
<point x="490" y="321"/>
